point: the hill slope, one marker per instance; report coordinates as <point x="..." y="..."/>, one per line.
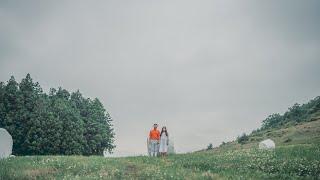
<point x="301" y="133"/>
<point x="299" y="125"/>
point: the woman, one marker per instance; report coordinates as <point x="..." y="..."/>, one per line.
<point x="164" y="141"/>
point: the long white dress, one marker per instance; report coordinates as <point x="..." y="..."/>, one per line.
<point x="163" y="143"/>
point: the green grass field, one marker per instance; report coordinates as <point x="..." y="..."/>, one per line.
<point x="293" y="161"/>
<point x="297" y="156"/>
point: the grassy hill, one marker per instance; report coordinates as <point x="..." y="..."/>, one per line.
<point x="299" y="125"/>
<point x="303" y="133"/>
<point x="297" y="156"/>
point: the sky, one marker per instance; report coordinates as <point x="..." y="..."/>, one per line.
<point x="208" y="70"/>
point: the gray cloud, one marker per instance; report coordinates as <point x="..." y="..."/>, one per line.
<point x="209" y="70"/>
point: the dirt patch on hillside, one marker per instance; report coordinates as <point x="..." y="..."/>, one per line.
<point x="131" y="170"/>
<point x="34" y="173"/>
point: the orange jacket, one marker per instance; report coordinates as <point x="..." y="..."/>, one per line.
<point x="154" y="134"/>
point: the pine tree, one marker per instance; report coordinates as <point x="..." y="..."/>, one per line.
<point x="10" y="122"/>
<point x="2" y="106"/>
<point x="51" y="127"/>
<point x="99" y="132"/>
<point x="29" y="95"/>
<point x="72" y="140"/>
<point x="79" y="102"/>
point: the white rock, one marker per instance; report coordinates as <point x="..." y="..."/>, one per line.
<point x="5" y="143"/>
<point x="267" y="144"/>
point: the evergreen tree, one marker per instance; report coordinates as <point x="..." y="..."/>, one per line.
<point x="99" y="133"/>
<point x="10" y="121"/>
<point x="2" y="107"/>
<point x="72" y="140"/>
<point x="29" y="95"/>
<point x="51" y="127"/>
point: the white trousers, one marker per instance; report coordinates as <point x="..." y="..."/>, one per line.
<point x="154" y="147"/>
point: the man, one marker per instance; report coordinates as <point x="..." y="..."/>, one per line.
<point x="154" y="137"/>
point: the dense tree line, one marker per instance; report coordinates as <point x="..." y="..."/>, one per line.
<point x="297" y="113"/>
<point x="56" y="123"/>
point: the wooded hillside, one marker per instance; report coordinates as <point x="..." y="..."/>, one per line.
<point x="56" y="123"/>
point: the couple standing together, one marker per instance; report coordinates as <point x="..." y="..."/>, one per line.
<point x="158" y="141"/>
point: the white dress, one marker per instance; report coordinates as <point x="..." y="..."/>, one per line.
<point x="163" y="143"/>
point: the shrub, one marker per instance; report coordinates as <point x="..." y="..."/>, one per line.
<point x="243" y="138"/>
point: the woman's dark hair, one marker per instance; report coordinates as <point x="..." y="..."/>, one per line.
<point x="164" y="131"/>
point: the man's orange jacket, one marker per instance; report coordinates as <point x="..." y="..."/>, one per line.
<point x="154" y="134"/>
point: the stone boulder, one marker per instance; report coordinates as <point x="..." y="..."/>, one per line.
<point x="5" y="143"/>
<point x="267" y="144"/>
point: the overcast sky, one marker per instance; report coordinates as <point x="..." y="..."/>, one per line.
<point x="208" y="70"/>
